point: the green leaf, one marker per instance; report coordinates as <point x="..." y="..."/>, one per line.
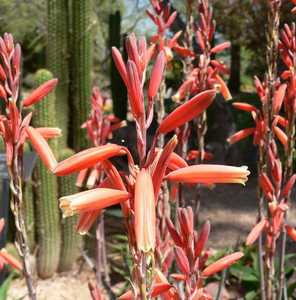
<point x="5" y="286"/>
<point x="244" y="273"/>
<point x="291" y="289"/>
<point x="251" y="295"/>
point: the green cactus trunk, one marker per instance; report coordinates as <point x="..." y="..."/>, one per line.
<point x="29" y="211"/>
<point x="71" y="240"/>
<point x="45" y="191"/>
<point x="81" y="63"/>
<point x="57" y="60"/>
<point x="118" y="89"/>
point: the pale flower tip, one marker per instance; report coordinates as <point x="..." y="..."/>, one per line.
<point x="65" y="206"/>
<point x="82" y="232"/>
<point x="176" y="97"/>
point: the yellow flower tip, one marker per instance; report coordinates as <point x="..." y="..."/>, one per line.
<point x="65" y="206"/>
<point x="82" y="232"/>
<point x="176" y="97"/>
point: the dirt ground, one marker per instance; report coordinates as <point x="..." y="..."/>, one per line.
<point x="232" y="211"/>
<point x="61" y="287"/>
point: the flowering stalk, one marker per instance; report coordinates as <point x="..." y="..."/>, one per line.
<point x="288" y="55"/>
<point x="138" y="190"/>
<point x="14" y="130"/>
<point x="191" y="257"/>
<point x="274" y="188"/>
<point x="100" y="127"/>
<point x="201" y="70"/>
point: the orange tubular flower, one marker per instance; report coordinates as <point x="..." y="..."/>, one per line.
<point x="120" y="65"/>
<point x="41" y="92"/>
<point x="86" y="220"/>
<point x="11" y="260"/>
<point x="193" y="154"/>
<point x="134" y="89"/>
<point x="281" y="136"/>
<point x="187" y="111"/>
<point x="42" y="148"/>
<point x="291" y="232"/>
<point x="127" y="296"/>
<point x="145" y="215"/>
<point x="279" y="98"/>
<point x="244" y="106"/>
<point x="87" y="158"/>
<point x="209" y="174"/>
<point x="49" y="132"/>
<point x="240" y="135"/>
<point x="255" y="232"/>
<point x="156" y="75"/>
<point x="91" y="200"/>
<point x="221" y="47"/>
<point x="222" y="264"/>
<point x="223" y="88"/>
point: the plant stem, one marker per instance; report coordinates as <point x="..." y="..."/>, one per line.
<point x="17" y="209"/>
<point x="102" y="272"/>
<point x="272" y="35"/>
<point x="288" y="171"/>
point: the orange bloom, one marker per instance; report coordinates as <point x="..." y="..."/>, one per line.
<point x="42" y="148"/>
<point x="91" y="200"/>
<point x="291" y="232"/>
<point x="41" y="92"/>
<point x="279" y="98"/>
<point x="85" y="221"/>
<point x="244" y="106"/>
<point x="127" y="296"/>
<point x="223" y="88"/>
<point x="87" y="158"/>
<point x="209" y="174"/>
<point x="120" y="65"/>
<point x="193" y="154"/>
<point x="222" y="264"/>
<point x="240" y="135"/>
<point x="145" y="215"/>
<point x="134" y="89"/>
<point x="202" y="238"/>
<point x="281" y="136"/>
<point x="255" y="232"/>
<point x="221" y="47"/>
<point x="49" y="132"/>
<point x="11" y="260"/>
<point x="156" y="75"/>
<point x="81" y="178"/>
<point x="163" y="157"/>
<point x="187" y="111"/>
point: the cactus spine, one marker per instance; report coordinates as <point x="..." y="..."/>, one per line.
<point x="57" y="60"/>
<point x="81" y="62"/>
<point x="71" y="240"/>
<point x="45" y="190"/>
<point x="118" y="89"/>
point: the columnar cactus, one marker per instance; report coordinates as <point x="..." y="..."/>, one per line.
<point x="118" y="90"/>
<point x="45" y="190"/>
<point x="71" y="240"/>
<point x="81" y="62"/>
<point x="57" y="60"/>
